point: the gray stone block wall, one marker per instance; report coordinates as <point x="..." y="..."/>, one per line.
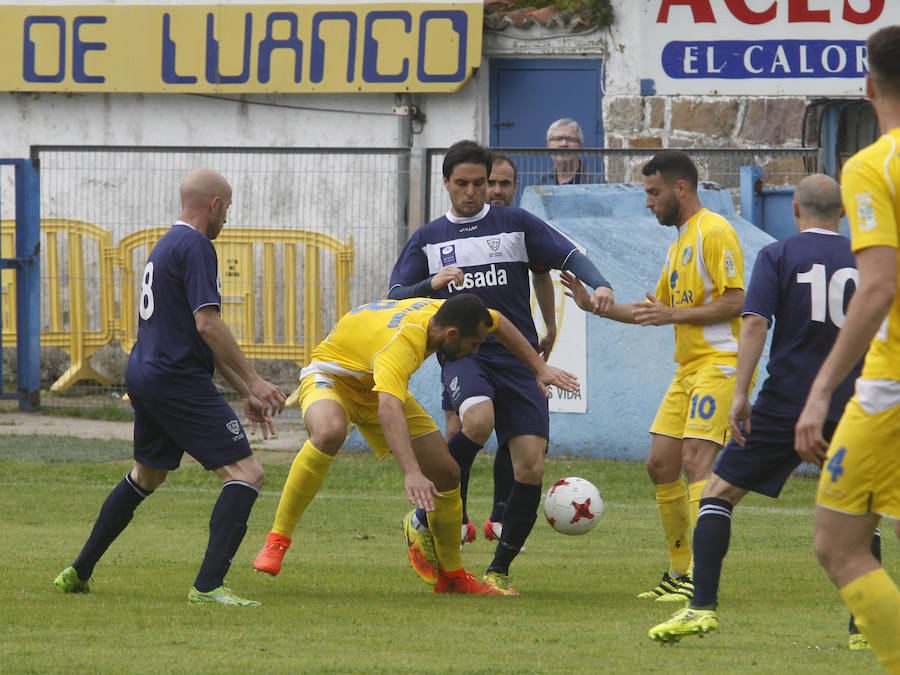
<point x="704" y="121"/>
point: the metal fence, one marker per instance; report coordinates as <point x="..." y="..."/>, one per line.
<point x="368" y="198"/>
<point x="534" y="167"/>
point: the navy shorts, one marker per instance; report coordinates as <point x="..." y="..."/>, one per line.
<point x="767" y="459"/>
<point x="205" y="427"/>
<point x="520" y="407"/>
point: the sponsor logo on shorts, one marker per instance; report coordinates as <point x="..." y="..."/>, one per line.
<point x="323" y="381"/>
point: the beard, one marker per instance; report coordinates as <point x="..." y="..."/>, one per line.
<point x="668" y="214"/>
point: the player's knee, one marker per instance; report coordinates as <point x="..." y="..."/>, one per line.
<point x="478" y="423"/>
<point x="661" y="471"/>
<point x="329" y="437"/>
<point x="257" y="477"/>
<point x="148" y="478"/>
<point x="446" y="476"/>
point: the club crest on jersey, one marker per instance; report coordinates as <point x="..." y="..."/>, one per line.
<point x="686" y="255"/>
<point x="448" y="254"/>
<point x="494" y="245"/>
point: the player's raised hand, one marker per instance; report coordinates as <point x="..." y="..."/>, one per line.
<point x="558" y="378"/>
<point x="420" y="490"/>
<point x="269" y="395"/>
<point x="446" y="275"/>
<point x="808" y="440"/>
<point x="739" y="413"/>
<point x="602" y="299"/>
<point x="576" y="290"/>
<point x="258" y="414"/>
<point x="652" y="312"/>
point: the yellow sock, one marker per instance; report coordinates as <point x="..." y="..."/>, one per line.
<point x="303" y="482"/>
<point x="874" y="601"/>
<point x="695" y="491"/>
<point x="674" y="512"/>
<point x="445" y="523"/>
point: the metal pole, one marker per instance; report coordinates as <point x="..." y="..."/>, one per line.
<point x="28" y="287"/>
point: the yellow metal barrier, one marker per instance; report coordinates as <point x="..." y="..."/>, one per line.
<point x="242" y="283"/>
<point x="8" y="282"/>
<point x="240" y="278"/>
<point x="69" y="330"/>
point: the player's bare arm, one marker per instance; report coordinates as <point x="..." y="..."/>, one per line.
<point x="655" y="313"/>
<point x="750" y="346"/>
<point x="255" y="413"/>
<point x="576" y="290"/>
<point x="510" y="337"/>
<point x="543" y="291"/>
<point x="602" y="300"/>
<point x="869" y="305"/>
<point x="419" y="489"/>
<point x="218" y="336"/>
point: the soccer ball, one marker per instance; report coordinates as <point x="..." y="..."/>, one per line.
<point x="573" y="505"/>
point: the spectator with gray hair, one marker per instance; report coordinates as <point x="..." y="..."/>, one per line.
<point x="568" y="169"/>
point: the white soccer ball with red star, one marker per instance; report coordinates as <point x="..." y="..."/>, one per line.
<point x="573" y="505"/>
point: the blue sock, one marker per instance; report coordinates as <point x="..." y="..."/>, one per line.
<point x="227" y="526"/>
<point x="518" y="520"/>
<point x="463" y="450"/>
<point x="876" y="551"/>
<point x="503" y="482"/>
<point x="115" y="514"/>
<point x="711" y="538"/>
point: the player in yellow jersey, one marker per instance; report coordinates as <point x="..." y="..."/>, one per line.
<point x="701" y="292"/>
<point x="860" y="479"/>
<point x="360" y="374"/>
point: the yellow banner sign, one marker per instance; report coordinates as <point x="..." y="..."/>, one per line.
<point x="412" y="47"/>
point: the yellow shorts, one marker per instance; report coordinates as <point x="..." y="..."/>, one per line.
<point x="697" y="404"/>
<point x="861" y="473"/>
<point x="361" y="408"/>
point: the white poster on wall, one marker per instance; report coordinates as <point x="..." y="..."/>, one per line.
<point x="759" y="47"/>
<point x="570" y="350"/>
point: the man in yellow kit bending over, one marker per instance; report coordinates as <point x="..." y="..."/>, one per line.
<point x="360" y="374"/>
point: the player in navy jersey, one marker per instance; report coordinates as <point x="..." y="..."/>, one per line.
<point x="488" y="251"/>
<point x="181" y="340"/>
<point x="805" y="283"/>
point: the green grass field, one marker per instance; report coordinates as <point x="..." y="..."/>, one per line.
<point x="348" y="602"/>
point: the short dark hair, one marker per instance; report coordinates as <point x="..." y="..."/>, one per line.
<point x="466" y="152"/>
<point x="464" y="311"/>
<point x="498" y="157"/>
<point x="672" y="165"/>
<point x="883" y="49"/>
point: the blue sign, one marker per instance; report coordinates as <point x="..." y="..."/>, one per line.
<point x="756" y="59"/>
